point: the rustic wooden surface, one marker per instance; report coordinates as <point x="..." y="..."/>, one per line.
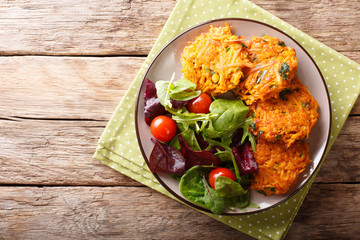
<point x="64" y="67"/>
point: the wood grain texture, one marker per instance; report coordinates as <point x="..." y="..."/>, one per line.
<point x="86" y="27"/>
<point x="325" y="215"/>
<point x="130" y="27"/>
<point x="110" y="213"/>
<point x="67" y="87"/>
<point x="65" y="65"/>
<point x="53" y="152"/>
<point x="64" y="87"/>
<point x="101" y="213"/>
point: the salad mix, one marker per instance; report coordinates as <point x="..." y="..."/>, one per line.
<point x="202" y="141"/>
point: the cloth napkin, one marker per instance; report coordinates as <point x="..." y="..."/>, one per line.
<point x="118" y="146"/>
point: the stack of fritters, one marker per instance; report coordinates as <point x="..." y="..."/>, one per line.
<point x="262" y="72"/>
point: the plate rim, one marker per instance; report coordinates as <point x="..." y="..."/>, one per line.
<point x="183" y="199"/>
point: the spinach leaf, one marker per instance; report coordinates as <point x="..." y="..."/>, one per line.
<point x="224" y="156"/>
<point x="185" y="95"/>
<point x="226" y="187"/>
<point x="212" y="199"/>
<point x="162" y="91"/>
<point x="190" y="139"/>
<point x="182" y="85"/>
<point x="184" y="90"/>
<point x="231" y="114"/>
<point x="243" y="200"/>
<point x="192" y="184"/>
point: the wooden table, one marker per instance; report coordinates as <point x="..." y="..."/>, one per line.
<point x="64" y="67"/>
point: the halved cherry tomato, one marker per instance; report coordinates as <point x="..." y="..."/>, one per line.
<point x="163" y="128"/>
<point x="200" y="104"/>
<point x="217" y="172"/>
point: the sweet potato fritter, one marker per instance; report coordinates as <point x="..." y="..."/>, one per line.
<point x="279" y="166"/>
<point x="287" y="119"/>
<point x="215" y="61"/>
<point x="275" y="65"/>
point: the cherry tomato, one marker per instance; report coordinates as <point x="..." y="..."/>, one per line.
<point x="200" y="104"/>
<point x="217" y="172"/>
<point x="163" y="128"/>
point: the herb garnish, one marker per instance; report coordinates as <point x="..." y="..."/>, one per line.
<point x="281" y="43"/>
<point x="253" y="126"/>
<point x="284" y="92"/>
<point x="211" y="71"/>
<point x="284" y="69"/>
<point x="261" y="76"/>
<point x="305" y="105"/>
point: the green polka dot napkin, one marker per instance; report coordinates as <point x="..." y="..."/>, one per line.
<point x="118" y="146"/>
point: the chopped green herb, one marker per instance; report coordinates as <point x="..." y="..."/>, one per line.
<point x="244" y="46"/>
<point x="271" y="188"/>
<point x="278" y="137"/>
<point x="255" y="58"/>
<point x="261" y="76"/>
<point x="227" y="49"/>
<point x="261" y="192"/>
<point x="260" y="132"/>
<point x="281" y="43"/>
<point x="284" y="92"/>
<point x="211" y="71"/>
<point x="284" y="69"/>
<point x="253" y="115"/>
<point x="301" y="155"/>
<point x="273" y="86"/>
<point x="253" y="126"/>
<point x="305" y="105"/>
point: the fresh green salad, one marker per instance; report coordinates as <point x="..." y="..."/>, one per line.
<point x="203" y="142"/>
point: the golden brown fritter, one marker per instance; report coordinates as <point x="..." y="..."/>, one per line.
<point x="287" y="119"/>
<point x="275" y="65"/>
<point x="215" y="61"/>
<point x="279" y="166"/>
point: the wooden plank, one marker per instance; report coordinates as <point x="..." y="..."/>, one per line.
<point x="64" y="87"/>
<point x="87" y="27"/>
<point x="125" y="27"/>
<point x="330" y="211"/>
<point x="101" y="213"/>
<point x="111" y="213"/>
<point x="46" y="152"/>
<point x="76" y="87"/>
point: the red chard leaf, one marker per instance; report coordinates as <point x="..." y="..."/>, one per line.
<point x="245" y="159"/>
<point x="153" y="107"/>
<point x="150" y="89"/>
<point x="166" y="159"/>
<point x="193" y="158"/>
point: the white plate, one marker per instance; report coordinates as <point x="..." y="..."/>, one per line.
<point x="168" y="61"/>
